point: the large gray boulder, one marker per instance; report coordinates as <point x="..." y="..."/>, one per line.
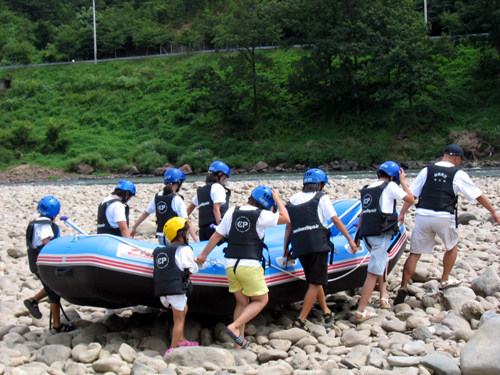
<point x="488" y="283"/>
<point x="198" y="356"/>
<point x="480" y="354"/>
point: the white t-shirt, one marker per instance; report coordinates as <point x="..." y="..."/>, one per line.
<point x="389" y="194"/>
<point x="461" y="183"/>
<point x="178" y="205"/>
<point x="266" y="219"/>
<point x="115" y="211"/>
<point x="40" y="233"/>
<point x="184" y="258"/>
<point x="217" y="194"/>
<point x="325" y="207"/>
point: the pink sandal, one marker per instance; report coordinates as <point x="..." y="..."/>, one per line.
<point x="187" y="343"/>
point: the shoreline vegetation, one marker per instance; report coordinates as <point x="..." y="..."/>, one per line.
<point x="344" y="88"/>
<point x="117" y="116"/>
<point x="27" y="173"/>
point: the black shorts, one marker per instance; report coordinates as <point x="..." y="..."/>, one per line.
<point x="51" y="295"/>
<point x="316" y="268"/>
<point x="205" y="232"/>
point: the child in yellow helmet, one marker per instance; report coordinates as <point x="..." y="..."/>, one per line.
<point x="173" y="265"/>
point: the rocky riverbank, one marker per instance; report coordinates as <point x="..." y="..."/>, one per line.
<point x="452" y="332"/>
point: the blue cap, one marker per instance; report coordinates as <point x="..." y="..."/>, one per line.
<point x="455" y="150"/>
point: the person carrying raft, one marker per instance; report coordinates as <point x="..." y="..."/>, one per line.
<point x="244" y="228"/>
<point x="377" y="226"/>
<point x="212" y="199"/>
<point x="173" y="265"/>
<point x="309" y="236"/>
<point x="39" y="233"/>
<point x="167" y="204"/>
<point x="113" y="212"/>
<point x="437" y="187"/>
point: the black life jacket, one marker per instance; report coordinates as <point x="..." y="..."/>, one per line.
<point x="308" y="234"/>
<point x="437" y="193"/>
<point x="164" y="211"/>
<point x="375" y="222"/>
<point x="168" y="279"/>
<point x="206" y="205"/>
<point x="243" y="241"/>
<point x="34" y="251"/>
<point x="103" y="225"/>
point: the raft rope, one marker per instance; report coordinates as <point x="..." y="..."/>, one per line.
<point x="217" y="262"/>
<point x="347" y="225"/>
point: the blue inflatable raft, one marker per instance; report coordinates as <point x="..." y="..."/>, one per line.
<point x="114" y="272"/>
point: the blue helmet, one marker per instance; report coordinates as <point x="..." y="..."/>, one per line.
<point x="315" y="176"/>
<point x="264" y="196"/>
<point x="391" y="169"/>
<point x="49" y="206"/>
<point x="219" y="166"/>
<point x="126" y="185"/>
<point x="173" y="175"/>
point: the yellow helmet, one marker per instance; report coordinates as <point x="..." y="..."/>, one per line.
<point x="172" y="226"/>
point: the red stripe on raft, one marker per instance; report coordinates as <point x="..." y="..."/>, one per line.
<point x="198" y="278"/>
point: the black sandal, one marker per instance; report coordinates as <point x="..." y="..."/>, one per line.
<point x="300" y="324"/>
<point x="329" y="316"/>
<point x="32" y="307"/>
<point x="64" y="327"/>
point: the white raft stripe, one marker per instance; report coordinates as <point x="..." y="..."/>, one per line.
<point x="199" y="278"/>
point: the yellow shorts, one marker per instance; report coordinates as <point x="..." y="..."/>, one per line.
<point x="250" y="280"/>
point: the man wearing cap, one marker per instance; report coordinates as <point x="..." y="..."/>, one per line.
<point x="437" y="186"/>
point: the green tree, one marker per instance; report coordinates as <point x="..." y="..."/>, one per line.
<point x="482" y="16"/>
<point x="17" y="53"/>
<point x="114" y="29"/>
<point x="147" y="34"/>
<point x="248" y="25"/>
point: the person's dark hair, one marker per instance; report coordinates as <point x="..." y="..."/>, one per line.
<point x="123" y="194"/>
<point x="167" y="189"/>
<point x="253" y="202"/>
<point x="182" y="235"/>
<point x="212" y="177"/>
<point x="382" y="174"/>
<point x="310" y="188"/>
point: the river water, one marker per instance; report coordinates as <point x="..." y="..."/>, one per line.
<point x="473" y="172"/>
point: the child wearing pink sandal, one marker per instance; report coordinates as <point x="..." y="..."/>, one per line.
<point x="173" y="265"/>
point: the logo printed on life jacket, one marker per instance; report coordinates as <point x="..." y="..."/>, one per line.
<point x="162" y="260"/>
<point x="242" y="224"/>
<point x="440" y="177"/>
<point x="203" y="204"/>
<point x="367" y="200"/>
<point x="161" y="207"/>
<point x="307" y="227"/>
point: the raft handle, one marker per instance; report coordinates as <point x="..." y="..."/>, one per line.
<point x="63" y="271"/>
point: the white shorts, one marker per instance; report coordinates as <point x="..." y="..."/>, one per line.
<point x="178" y="301"/>
<point x="378" y="245"/>
<point x="425" y="230"/>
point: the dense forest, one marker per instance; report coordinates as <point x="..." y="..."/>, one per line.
<point x="364" y="80"/>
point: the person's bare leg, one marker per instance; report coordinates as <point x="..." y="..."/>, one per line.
<point x="249" y="312"/>
<point x="368" y="288"/>
<point x="41" y="294"/>
<point x="55" y="309"/>
<point x="382" y="283"/>
<point x="409" y="268"/>
<point x="449" y="259"/>
<point x="309" y="299"/>
<point x="178" y="330"/>
<point x="242" y="301"/>
<point x="321" y="297"/>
